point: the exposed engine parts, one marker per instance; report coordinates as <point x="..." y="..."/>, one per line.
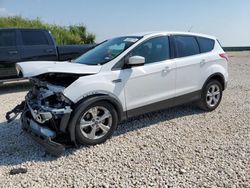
<point x="47" y="102"/>
<point x="45" y="113"/>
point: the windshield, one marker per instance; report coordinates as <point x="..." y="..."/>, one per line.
<point x="106" y="51"/>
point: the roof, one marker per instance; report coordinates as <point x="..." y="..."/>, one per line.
<point x="153" y="33"/>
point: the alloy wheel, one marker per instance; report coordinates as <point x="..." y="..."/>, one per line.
<point x="95" y="122"/>
<point x="213" y="95"/>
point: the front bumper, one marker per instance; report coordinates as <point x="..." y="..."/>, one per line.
<point x="42" y="135"/>
<point x="45" y="116"/>
<point x="44" y="124"/>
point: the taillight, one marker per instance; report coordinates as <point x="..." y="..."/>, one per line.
<point x="224" y="55"/>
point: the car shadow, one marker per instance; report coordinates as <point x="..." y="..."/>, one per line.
<point x="150" y="119"/>
<point x="14" y="87"/>
<point x="18" y="147"/>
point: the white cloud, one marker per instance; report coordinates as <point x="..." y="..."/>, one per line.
<point x="5" y="12"/>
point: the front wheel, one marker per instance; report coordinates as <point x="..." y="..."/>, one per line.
<point x="95" y="123"/>
<point x="211" y="96"/>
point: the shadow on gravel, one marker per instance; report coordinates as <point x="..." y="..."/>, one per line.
<point x="17" y="147"/>
<point x="150" y="119"/>
<point x="14" y="87"/>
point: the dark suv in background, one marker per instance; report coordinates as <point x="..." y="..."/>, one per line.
<point x="17" y="45"/>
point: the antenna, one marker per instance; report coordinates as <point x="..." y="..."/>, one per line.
<point x="190" y="28"/>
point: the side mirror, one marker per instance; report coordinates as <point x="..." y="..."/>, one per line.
<point x="136" y="60"/>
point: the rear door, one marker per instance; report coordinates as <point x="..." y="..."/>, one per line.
<point x="9" y="53"/>
<point x="37" y="45"/>
<point x="208" y="56"/>
<point x="188" y="64"/>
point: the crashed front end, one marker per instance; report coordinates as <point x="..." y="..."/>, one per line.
<point x="45" y="114"/>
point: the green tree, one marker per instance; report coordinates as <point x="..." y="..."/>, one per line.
<point x="75" y="34"/>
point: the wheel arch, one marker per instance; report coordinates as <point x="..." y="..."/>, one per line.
<point x="105" y="97"/>
<point x="216" y="76"/>
<point x="92" y="99"/>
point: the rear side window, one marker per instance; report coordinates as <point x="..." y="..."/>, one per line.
<point x="34" y="38"/>
<point x="153" y="50"/>
<point x="206" y="45"/>
<point x="7" y="38"/>
<point x="186" y="46"/>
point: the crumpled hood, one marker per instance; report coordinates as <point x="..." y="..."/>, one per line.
<point x="35" y="68"/>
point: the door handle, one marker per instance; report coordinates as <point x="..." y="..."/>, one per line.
<point x="203" y="62"/>
<point x="12" y="52"/>
<point x="166" y="69"/>
<point x="117" y="80"/>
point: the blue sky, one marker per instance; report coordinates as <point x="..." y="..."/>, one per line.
<point x="228" y="20"/>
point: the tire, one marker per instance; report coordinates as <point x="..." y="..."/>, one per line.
<point x="91" y="126"/>
<point x="211" y="95"/>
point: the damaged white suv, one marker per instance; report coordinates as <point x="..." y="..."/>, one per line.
<point x="120" y="78"/>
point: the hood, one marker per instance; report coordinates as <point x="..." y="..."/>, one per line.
<point x="35" y="68"/>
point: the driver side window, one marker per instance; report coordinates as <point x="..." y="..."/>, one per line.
<point x="153" y="50"/>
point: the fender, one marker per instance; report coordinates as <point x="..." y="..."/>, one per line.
<point x="215" y="70"/>
<point x="91" y="99"/>
<point x="218" y="76"/>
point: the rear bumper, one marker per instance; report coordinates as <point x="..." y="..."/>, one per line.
<point x="42" y="135"/>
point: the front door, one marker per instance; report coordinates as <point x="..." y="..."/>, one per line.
<point x="155" y="80"/>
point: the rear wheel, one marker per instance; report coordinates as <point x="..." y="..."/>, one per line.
<point x="211" y="95"/>
<point x="96" y="123"/>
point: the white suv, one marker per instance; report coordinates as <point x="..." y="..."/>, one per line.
<point x="120" y="78"/>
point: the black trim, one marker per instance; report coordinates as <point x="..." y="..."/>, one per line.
<point x="54" y="148"/>
<point x="198" y="44"/>
<point x="64" y="122"/>
<point x="165" y="104"/>
<point x="216" y="76"/>
<point x="117" y="80"/>
<point x="95" y="98"/>
<point x="108" y="97"/>
<point x="172" y="47"/>
<point x="11" y="115"/>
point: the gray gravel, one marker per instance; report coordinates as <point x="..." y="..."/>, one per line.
<point x="178" y="147"/>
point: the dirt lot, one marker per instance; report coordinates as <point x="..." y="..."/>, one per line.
<point x="178" y="147"/>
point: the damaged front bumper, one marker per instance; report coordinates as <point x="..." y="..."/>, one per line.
<point x="43" y="121"/>
<point x="42" y="135"/>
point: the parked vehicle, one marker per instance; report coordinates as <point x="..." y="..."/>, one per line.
<point x="18" y="45"/>
<point x="121" y="78"/>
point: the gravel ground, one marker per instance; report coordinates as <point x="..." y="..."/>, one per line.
<point x="178" y="147"/>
